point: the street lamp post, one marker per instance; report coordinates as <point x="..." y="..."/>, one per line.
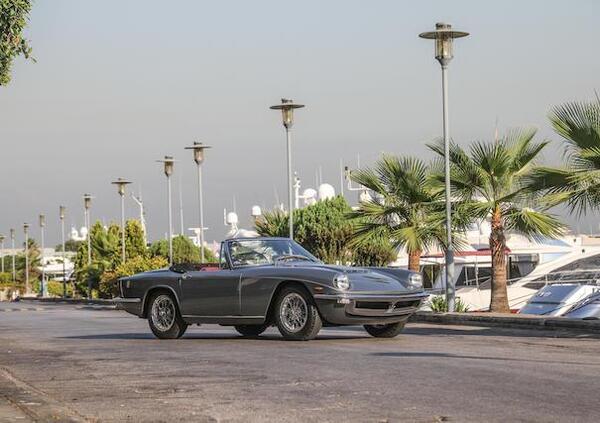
<point x="168" y="163"/>
<point x="14" y="254"/>
<point x="87" y="204"/>
<point x="287" y="107"/>
<point x="61" y="216"/>
<point x="121" y="184"/>
<point x="198" y="149"/>
<point x="43" y="287"/>
<point x="443" y="36"/>
<point x="26" y="233"/>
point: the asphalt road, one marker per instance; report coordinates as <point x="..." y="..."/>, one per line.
<point x="78" y="363"/>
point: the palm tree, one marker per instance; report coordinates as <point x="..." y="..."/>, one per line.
<point x="577" y="183"/>
<point x="405" y="207"/>
<point x="489" y="181"/>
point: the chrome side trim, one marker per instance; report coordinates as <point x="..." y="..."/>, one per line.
<point x="127" y="300"/>
<point x="222" y="317"/>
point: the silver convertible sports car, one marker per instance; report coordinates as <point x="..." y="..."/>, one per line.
<point x="260" y="282"/>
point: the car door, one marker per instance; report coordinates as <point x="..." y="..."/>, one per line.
<point x="210" y="293"/>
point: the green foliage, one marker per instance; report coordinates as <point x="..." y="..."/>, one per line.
<point x="13" y="18"/>
<point x="491" y="179"/>
<point x="438" y="304"/>
<point x="55" y="289"/>
<point x="405" y="206"/>
<point x="142" y="263"/>
<point x="106" y="252"/>
<point x="578" y="182"/>
<point x="184" y="251"/>
<point x="5" y="278"/>
<point x="325" y="230"/>
<point x="70" y="245"/>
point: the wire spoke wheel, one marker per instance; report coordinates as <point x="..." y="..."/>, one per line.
<point x="293" y="312"/>
<point x="163" y="313"/>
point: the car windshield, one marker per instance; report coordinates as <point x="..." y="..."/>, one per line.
<point x="266" y="251"/>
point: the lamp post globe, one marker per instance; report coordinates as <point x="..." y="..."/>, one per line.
<point x="287" y="107"/>
<point x="198" y="150"/>
<point x="444" y="36"/>
<point x="121" y="183"/>
<point x="168" y="165"/>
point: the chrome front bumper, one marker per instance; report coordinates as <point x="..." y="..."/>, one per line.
<point x="374" y="305"/>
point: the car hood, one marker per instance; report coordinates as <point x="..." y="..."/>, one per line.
<point x="364" y="279"/>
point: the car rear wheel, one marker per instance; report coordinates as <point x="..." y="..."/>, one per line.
<point x="296" y="315"/>
<point x="164" y="318"/>
<point x="385" y="331"/>
<point x="251" y="330"/>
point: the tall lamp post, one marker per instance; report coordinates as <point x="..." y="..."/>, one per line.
<point x="26" y="233"/>
<point x="14" y="254"/>
<point x="2" y="253"/>
<point x="287" y="107"/>
<point x="43" y="287"/>
<point x="121" y="184"/>
<point x="443" y="36"/>
<point x="198" y="149"/>
<point x="168" y="163"/>
<point x="87" y="204"/>
<point x="61" y="216"/>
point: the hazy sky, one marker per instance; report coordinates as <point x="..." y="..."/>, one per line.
<point x="119" y="84"/>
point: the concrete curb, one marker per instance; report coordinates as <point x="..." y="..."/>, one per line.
<point x="507" y="320"/>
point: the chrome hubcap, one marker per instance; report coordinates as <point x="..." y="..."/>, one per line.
<point x="293" y="312"/>
<point x="163" y="313"/>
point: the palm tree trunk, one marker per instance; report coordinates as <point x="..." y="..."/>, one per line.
<point x="499" y="294"/>
<point x="414" y="260"/>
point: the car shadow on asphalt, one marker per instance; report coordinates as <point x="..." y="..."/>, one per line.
<point x="212" y="336"/>
<point x="429" y="355"/>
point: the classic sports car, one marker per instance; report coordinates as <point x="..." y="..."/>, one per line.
<point x="260" y="282"/>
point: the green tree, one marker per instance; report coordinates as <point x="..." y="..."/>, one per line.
<point x="491" y="180"/>
<point x="135" y="245"/>
<point x="405" y="206"/>
<point x="325" y="230"/>
<point x="13" y="18"/>
<point x="578" y="182"/>
<point x="184" y="251"/>
<point x="71" y="245"/>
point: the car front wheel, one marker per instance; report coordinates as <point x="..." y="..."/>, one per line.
<point x="385" y="331"/>
<point x="296" y="315"/>
<point x="164" y="318"/>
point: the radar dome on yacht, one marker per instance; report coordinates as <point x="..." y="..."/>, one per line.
<point x="326" y="192"/>
<point x="83" y="232"/>
<point x="232" y="218"/>
<point x="256" y="211"/>
<point x="310" y="196"/>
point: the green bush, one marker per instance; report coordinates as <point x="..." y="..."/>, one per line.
<point x="438" y="304"/>
<point x="108" y="282"/>
<point x="5" y="278"/>
<point x="184" y="251"/>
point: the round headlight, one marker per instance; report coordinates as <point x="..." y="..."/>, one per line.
<point x="415" y="280"/>
<point x="341" y="281"/>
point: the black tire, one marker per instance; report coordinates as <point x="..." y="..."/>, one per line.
<point x="302" y="327"/>
<point x="251" y="330"/>
<point x="390" y="330"/>
<point x="169" y="325"/>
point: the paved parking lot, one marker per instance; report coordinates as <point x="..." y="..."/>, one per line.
<point x="78" y="363"/>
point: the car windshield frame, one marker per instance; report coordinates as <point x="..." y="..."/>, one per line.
<point x="267" y="251"/>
